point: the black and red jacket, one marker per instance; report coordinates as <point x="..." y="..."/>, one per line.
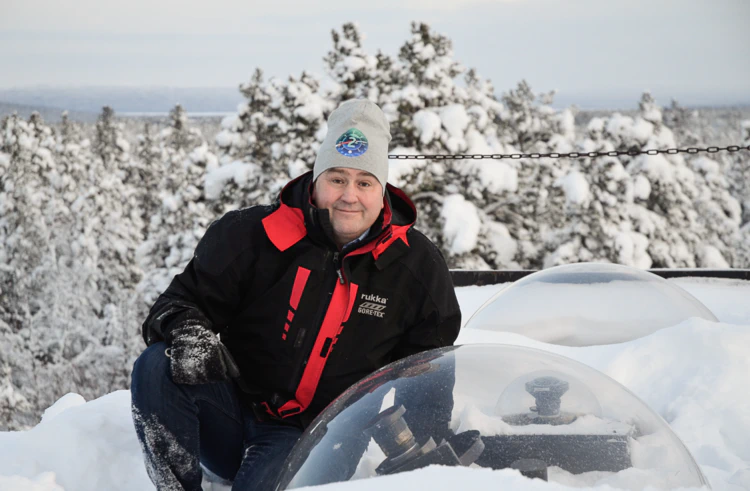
<point x="303" y="320"/>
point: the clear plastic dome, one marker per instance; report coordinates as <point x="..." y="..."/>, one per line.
<point x="493" y="406"/>
<point x="588" y="304"/>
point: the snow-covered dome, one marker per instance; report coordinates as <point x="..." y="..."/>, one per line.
<point x="588" y="304"/>
<point x="493" y="406"/>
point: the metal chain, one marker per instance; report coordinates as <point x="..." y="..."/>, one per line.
<point x="570" y="155"/>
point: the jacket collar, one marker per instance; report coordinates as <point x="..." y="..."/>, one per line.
<point x="296" y="218"/>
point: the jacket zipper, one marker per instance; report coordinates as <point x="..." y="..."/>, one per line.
<point x="339" y="267"/>
<point x="306" y="338"/>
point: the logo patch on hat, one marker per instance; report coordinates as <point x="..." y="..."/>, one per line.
<point x="353" y="143"/>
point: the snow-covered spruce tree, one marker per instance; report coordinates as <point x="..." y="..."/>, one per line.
<point x="684" y="124"/>
<point x="430" y="113"/>
<point x="669" y="191"/>
<point x="490" y="183"/>
<point x="739" y="173"/>
<point x="719" y="213"/>
<point x="426" y="78"/>
<point x="719" y="203"/>
<point x="116" y="221"/>
<point x="664" y="186"/>
<point x="71" y="166"/>
<point x="386" y="79"/>
<point x="24" y="229"/>
<point x="180" y="217"/>
<point x="305" y="109"/>
<point x="273" y="137"/>
<point x="740" y="177"/>
<point x="528" y="124"/>
<point x="350" y="66"/>
<point x="597" y="224"/>
<point x="248" y="147"/>
<point x="30" y="209"/>
<point x="152" y="159"/>
<point x="62" y="337"/>
<point x="15" y="160"/>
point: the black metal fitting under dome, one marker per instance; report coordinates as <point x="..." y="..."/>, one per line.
<point x="462" y="277"/>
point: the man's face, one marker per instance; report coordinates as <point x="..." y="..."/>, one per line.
<point x="353" y="199"/>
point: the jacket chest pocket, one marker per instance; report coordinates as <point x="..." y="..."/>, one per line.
<point x="275" y="322"/>
<point x="372" y="331"/>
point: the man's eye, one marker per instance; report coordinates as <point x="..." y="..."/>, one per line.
<point x="365" y="184"/>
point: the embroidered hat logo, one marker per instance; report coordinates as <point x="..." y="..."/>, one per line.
<point x="353" y="143"/>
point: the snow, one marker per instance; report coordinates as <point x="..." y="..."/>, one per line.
<point x="711" y="258"/>
<point x="400" y="169"/>
<point x="454" y="120"/>
<point x="42" y="482"/>
<point x="576" y="188"/>
<point x="238" y="171"/>
<point x="641" y="187"/>
<point x="461" y="223"/>
<point x="67" y="401"/>
<point x="474" y="419"/>
<point x="693" y="374"/>
<point x="428" y="125"/>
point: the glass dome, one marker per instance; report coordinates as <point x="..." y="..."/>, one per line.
<point x="588" y="304"/>
<point x="493" y="406"/>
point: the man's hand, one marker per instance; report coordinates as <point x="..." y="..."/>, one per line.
<point x="198" y="357"/>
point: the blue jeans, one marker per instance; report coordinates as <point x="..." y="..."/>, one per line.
<point x="181" y="427"/>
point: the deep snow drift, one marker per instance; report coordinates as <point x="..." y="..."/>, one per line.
<point x="693" y="374"/>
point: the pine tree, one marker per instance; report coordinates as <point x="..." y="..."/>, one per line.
<point x="683" y="122"/>
<point x="349" y="65"/>
<point x="50" y="302"/>
<point x="249" y="145"/>
<point x="528" y="124"/>
<point x="23" y="228"/>
<point x="305" y="109"/>
<point x="426" y="78"/>
<point x="672" y="193"/>
<point x="113" y="199"/>
<point x="432" y="114"/>
<point x="597" y="226"/>
<point x="180" y="215"/>
<point x="739" y="173"/>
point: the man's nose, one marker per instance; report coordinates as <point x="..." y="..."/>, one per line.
<point x="350" y="194"/>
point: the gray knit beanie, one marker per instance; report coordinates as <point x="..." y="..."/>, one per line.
<point x="357" y="138"/>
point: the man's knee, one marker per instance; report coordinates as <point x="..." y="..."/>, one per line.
<point x="152" y="362"/>
<point x="150" y="370"/>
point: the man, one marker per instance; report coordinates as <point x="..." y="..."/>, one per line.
<point x="308" y="296"/>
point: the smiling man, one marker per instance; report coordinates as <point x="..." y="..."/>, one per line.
<point x="353" y="199"/>
<point x="307" y="296"/>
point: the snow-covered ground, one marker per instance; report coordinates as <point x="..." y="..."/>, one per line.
<point x="694" y="374"/>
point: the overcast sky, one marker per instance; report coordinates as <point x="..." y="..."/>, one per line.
<point x="695" y="50"/>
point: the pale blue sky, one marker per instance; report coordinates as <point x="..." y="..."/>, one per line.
<point x="695" y="50"/>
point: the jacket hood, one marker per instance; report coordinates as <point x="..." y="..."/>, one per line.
<point x="297" y="217"/>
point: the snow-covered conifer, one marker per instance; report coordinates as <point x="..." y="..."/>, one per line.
<point x="180" y="215"/>
<point x="527" y="123"/>
<point x="739" y="172"/>
<point x="24" y="230"/>
<point x="350" y="66"/>
<point x="431" y="113"/>
<point x="248" y="147"/>
<point x="116" y="221"/>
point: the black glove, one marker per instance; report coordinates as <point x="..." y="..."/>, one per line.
<point x="198" y="357"/>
